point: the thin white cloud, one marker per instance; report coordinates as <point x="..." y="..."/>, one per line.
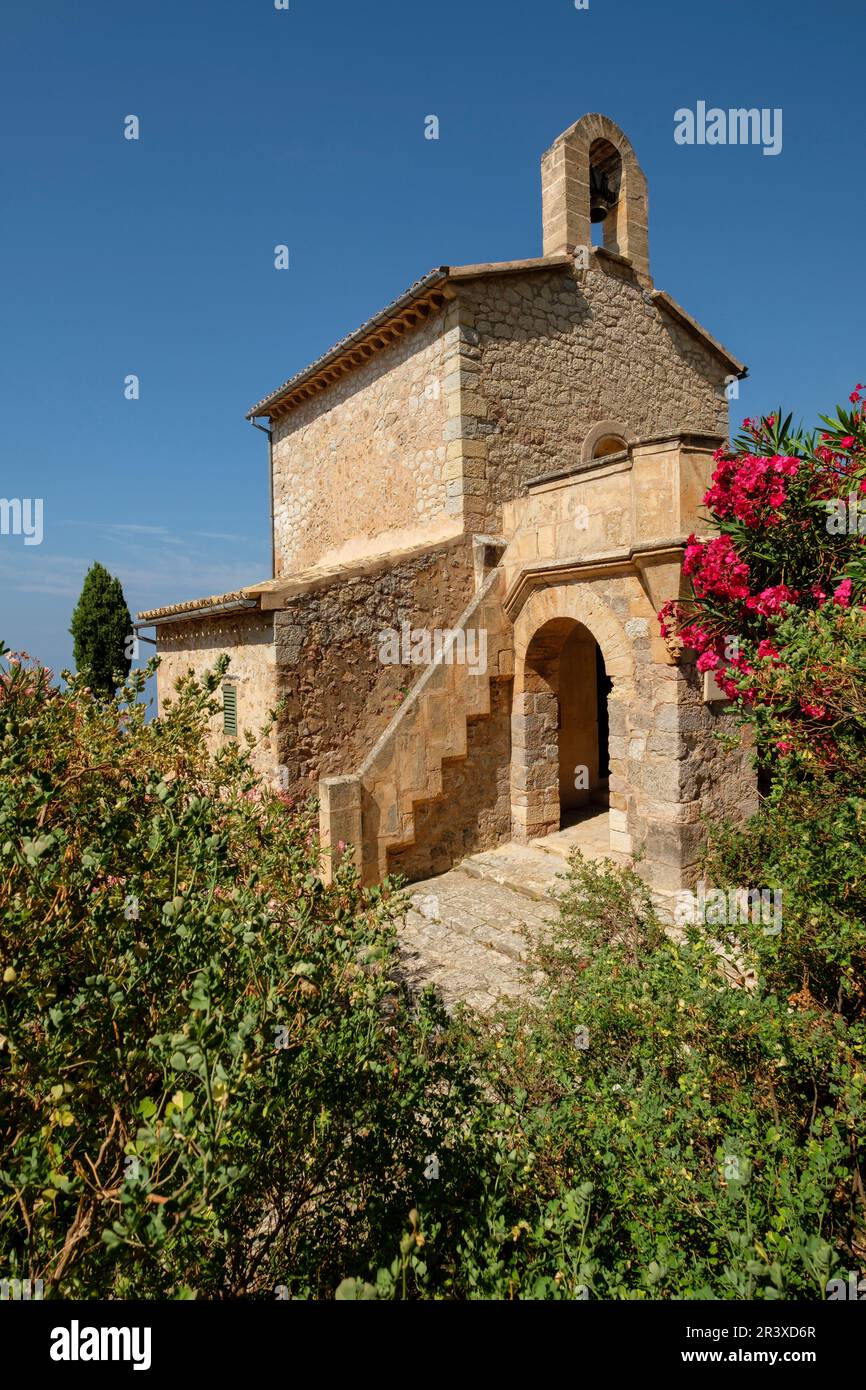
<point x="151" y="577"/>
<point x="220" y="536"/>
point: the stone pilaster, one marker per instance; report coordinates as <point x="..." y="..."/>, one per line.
<point x="466" y="419"/>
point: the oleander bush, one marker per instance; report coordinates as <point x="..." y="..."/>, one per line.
<point x="779" y="583"/>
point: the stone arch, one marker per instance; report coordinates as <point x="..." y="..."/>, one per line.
<point x="541" y="629"/>
<point x="593" y="146"/>
<point x="581" y="601"/>
<point x="604" y="430"/>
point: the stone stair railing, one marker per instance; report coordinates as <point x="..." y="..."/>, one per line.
<point x="373" y="810"/>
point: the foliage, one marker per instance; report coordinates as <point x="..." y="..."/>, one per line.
<point x="210" y="1084"/>
<point x="654" y="1132"/>
<point x="777" y="612"/>
<point x="101" y="628"/>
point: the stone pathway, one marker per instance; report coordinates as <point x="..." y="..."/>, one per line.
<point x="465" y="930"/>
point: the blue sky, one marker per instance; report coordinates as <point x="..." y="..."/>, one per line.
<point x="306" y="127"/>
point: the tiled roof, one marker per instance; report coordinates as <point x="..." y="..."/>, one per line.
<point x="194" y="605"/>
<point x="416" y="292"/>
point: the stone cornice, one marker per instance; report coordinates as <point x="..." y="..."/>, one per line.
<point x="598" y="565"/>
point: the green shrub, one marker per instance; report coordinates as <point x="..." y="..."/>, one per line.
<point x="162" y="930"/>
<point x="703" y="1144"/>
<point x="637" y="1129"/>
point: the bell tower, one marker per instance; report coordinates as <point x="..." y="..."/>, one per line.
<point x="591" y="174"/>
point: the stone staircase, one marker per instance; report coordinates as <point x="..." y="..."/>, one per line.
<point x="374" y="809"/>
<point x="466" y="930"/>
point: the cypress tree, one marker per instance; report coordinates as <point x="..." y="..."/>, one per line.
<point x="101" y="628"/>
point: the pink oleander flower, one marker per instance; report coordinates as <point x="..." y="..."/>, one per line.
<point x="696" y="637"/>
<point x="842" y="594"/>
<point x="784" y="746"/>
<point x="708" y="661"/>
<point x="816" y="711"/>
<point x="766" y="648"/>
<point x="726" y="683"/>
<point x="770" y="601"/>
<point x="715" y="568"/>
<point x="751" y="487"/>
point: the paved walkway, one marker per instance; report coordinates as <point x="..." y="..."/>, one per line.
<point x="465" y="930"/>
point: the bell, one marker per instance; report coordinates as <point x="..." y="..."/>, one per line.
<point x="601" y="199"/>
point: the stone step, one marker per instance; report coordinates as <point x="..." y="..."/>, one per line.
<point x="464" y="934"/>
<point x="491" y="913"/>
<point x="466" y="931"/>
<point x="589" y="850"/>
<point x="591" y="837"/>
<point x="524" y="869"/>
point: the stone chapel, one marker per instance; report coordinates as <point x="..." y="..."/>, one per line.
<point x="479" y="500"/>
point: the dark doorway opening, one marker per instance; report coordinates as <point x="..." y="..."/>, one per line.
<point x="582" y="688"/>
<point x="603" y="687"/>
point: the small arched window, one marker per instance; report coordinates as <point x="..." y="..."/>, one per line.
<point x="608" y="444"/>
<point x="605" y="438"/>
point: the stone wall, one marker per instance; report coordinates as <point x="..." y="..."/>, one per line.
<point x="474" y="810"/>
<point x="557" y="351"/>
<point x="692" y="775"/>
<point x="337" y="695"/>
<point x="679" y="771"/>
<point x="248" y="638"/>
<point x="650" y="494"/>
<point x="366" y="459"/>
<point x="435" y="431"/>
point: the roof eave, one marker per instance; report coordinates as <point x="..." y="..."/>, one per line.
<point x="342" y="351"/>
<point x="183" y="612"/>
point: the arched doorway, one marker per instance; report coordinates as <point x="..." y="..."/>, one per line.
<point x="583" y="686"/>
<point x="565" y="754"/>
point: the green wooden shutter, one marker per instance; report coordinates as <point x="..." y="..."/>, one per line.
<point x="230" y="710"/>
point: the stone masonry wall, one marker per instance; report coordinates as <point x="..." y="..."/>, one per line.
<point x="684" y="762"/>
<point x="474" y="810"/>
<point x="557" y="352"/>
<point x="681" y="769"/>
<point x="248" y="638"/>
<point x="338" y="696"/>
<point x="366" y="459"/>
